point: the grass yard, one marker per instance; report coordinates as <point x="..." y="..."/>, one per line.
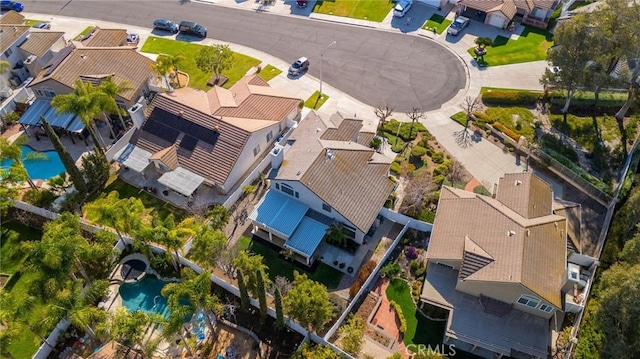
<point x="438" y="22"/>
<point x="518" y="119"/>
<point x="158" y="208"/>
<point x="373" y="10"/>
<point x="280" y="267"/>
<point x="460" y="117"/>
<point x="12" y="234"/>
<point x="314" y="103"/>
<point x="582" y="130"/>
<point x="84" y="32"/>
<point x="484" y="90"/>
<point x="420" y="330"/>
<point x="31" y="22"/>
<point x="198" y="79"/>
<point x="269" y="72"/>
<point x="532" y="45"/>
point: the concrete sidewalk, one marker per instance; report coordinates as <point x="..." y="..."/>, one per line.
<point x="484" y="160"/>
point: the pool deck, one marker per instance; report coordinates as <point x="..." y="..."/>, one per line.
<point x="112" y="300"/>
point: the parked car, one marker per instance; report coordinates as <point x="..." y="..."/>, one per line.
<point x="299" y="66"/>
<point x="11" y="5"/>
<point x="42" y="25"/>
<point x="456" y="27"/>
<point x="133" y="39"/>
<point x="402" y="7"/>
<point x="192" y="28"/>
<point x="166" y="25"/>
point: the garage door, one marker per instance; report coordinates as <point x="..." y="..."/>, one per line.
<point x="434" y="3"/>
<point x="496" y="20"/>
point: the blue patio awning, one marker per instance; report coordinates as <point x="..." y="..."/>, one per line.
<point x="60" y="120"/>
<point x="306" y="239"/>
<point x="31" y="117"/>
<point x="76" y="126"/>
<point x="279" y="212"/>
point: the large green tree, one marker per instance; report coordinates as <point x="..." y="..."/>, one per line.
<point x="277" y="299"/>
<point x="218" y="216"/>
<point x="207" y="244"/>
<point x="262" y="297"/>
<point x="13" y="152"/>
<point x="65" y="157"/>
<point x="310" y="350"/>
<point x="351" y="335"/>
<point x="95" y="169"/>
<point x="248" y="264"/>
<point x="173" y="236"/>
<point x="308" y="303"/>
<point x="124" y="215"/>
<point x="125" y="327"/>
<point x="215" y="59"/>
<point x="244" y="295"/>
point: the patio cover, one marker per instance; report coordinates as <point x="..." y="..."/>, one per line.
<point x="133" y="157"/>
<point x="31" y="117"/>
<point x="181" y="180"/>
<point x="61" y="120"/>
<point x="279" y="212"/>
<point x="307" y="237"/>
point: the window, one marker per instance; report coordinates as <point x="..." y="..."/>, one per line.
<point x="529" y="301"/>
<point x="546" y="308"/>
<point x="8" y="53"/>
<point x="256" y="150"/>
<point x="277" y="185"/>
<point x="269" y="136"/>
<point x="45" y="92"/>
<point x="326" y="207"/>
<point x="287" y="189"/>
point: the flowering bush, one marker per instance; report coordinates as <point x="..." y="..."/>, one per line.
<point x="411" y="252"/>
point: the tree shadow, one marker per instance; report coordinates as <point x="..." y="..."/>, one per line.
<point x="463" y="138"/>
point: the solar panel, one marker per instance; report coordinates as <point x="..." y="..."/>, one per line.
<point x="209" y="136"/>
<point x="57" y="60"/>
<point x="158" y="129"/>
<point x="188" y="143"/>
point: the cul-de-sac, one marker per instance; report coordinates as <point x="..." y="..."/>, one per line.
<point x="319" y="179"/>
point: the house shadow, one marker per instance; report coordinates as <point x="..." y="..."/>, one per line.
<point x="298" y="10"/>
<point x="414" y="19"/>
<point x="188" y="38"/>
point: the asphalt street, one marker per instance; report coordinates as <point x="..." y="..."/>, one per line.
<point x="371" y="65"/>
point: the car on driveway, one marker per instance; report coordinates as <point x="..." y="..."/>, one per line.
<point x="166" y="25"/>
<point x="11" y="5"/>
<point x="42" y="25"/>
<point x="402" y="7"/>
<point x="456" y="27"/>
<point x="192" y="28"/>
<point x="133" y="39"/>
<point x="299" y="66"/>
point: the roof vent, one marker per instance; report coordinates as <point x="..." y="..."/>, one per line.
<point x="15" y="29"/>
<point x="298" y="173"/>
<point x="511" y="233"/>
<point x="318" y="129"/>
<point x="518" y="182"/>
<point x="330" y="155"/>
<point x="555" y="224"/>
<point x="83" y="56"/>
<point x="528" y="232"/>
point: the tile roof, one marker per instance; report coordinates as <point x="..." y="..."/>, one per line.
<point x="545" y="4"/>
<point x="506" y="7"/>
<point x="39" y="42"/>
<point x="168" y="157"/>
<point x="105" y="38"/>
<point x="9" y="34"/>
<point x="528" y="195"/>
<point x="11" y="17"/>
<point x="527" y="5"/>
<point x="500" y="244"/>
<point x="125" y="64"/>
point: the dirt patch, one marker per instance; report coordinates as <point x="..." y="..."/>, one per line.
<point x="365" y="309"/>
<point x="225" y="336"/>
<point x="4" y="278"/>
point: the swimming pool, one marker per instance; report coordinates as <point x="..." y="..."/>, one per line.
<point x="145" y="295"/>
<point x="39" y="169"/>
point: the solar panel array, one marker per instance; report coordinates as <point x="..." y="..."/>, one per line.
<point x="57" y="60"/>
<point x="171" y="123"/>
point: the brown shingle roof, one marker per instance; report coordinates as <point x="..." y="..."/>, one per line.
<point x="125" y="64"/>
<point x="506" y="7"/>
<point x="500" y="244"/>
<point x="213" y="162"/>
<point x="168" y="157"/>
<point x="9" y="34"/>
<point x="106" y="38"/>
<point x="526" y="5"/>
<point x="11" y="17"/>
<point x="39" y="42"/>
<point x="347" y="131"/>
<point x="528" y="195"/>
<point x="544" y="4"/>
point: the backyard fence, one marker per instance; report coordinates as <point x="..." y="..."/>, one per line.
<point x="404" y="220"/>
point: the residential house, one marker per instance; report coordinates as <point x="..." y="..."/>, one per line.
<point x="190" y="137"/>
<point x="11" y="37"/>
<point x="98" y="37"/>
<point x="59" y="75"/>
<point x="11" y="17"/>
<point x="325" y="173"/>
<point x="506" y="268"/>
<point x="500" y="13"/>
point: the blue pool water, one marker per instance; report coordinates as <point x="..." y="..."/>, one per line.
<point x="39" y="169"/>
<point x="145" y="295"/>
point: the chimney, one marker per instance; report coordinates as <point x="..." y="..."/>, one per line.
<point x="137" y="114"/>
<point x="277" y="156"/>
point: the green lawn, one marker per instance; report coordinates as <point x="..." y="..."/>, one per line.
<point x="532" y="45"/>
<point x="373" y="10"/>
<point x="12" y="234"/>
<point x="582" y="130"/>
<point x="314" y="103"/>
<point x="518" y="119"/>
<point x="84" y="32"/>
<point x="31" y="22"/>
<point x="484" y="90"/>
<point x="269" y="72"/>
<point x="280" y="267"/>
<point x="437" y="21"/>
<point x="460" y="117"/>
<point x="158" y="208"/>
<point x="197" y="78"/>
<point x="420" y="330"/>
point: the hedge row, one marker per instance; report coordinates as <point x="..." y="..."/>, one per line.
<point x="403" y="321"/>
<point x="614" y="100"/>
<point x="502" y="128"/>
<point x="391" y="127"/>
<point x="511" y="97"/>
<point x="363" y="274"/>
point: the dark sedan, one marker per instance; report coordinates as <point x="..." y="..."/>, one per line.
<point x="166" y="25"/>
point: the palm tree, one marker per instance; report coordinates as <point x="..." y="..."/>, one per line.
<point x="173" y="61"/>
<point x="123" y="215"/>
<point x="112" y="90"/>
<point x="14" y="314"/>
<point x="86" y="103"/>
<point x="13" y="151"/>
<point x="72" y="304"/>
<point x="125" y="327"/>
<point x="173" y="236"/>
<point x="162" y="67"/>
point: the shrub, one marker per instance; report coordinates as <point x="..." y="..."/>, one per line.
<point x="395" y="168"/>
<point x="411" y="252"/>
<point x="420" y="271"/>
<point x="438" y="157"/>
<point x="363" y="274"/>
<point x="479" y="189"/>
<point x="442" y="169"/>
<point x="397" y="147"/>
<point x="391" y="127"/>
<point x="390" y="270"/>
<point x="500" y="127"/>
<point x="415" y="264"/>
<point x="10" y="118"/>
<point x="39" y="198"/>
<point x="430" y="151"/>
<point x="418" y="151"/>
<point x="438" y="179"/>
<point x="375" y="143"/>
<point x="511" y="97"/>
<point x="403" y="321"/>
<point x="556" y="144"/>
